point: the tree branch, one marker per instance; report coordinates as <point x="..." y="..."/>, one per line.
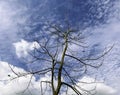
<point x="73" y="88"/>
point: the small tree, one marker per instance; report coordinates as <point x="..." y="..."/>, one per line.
<point x="62" y="53"/>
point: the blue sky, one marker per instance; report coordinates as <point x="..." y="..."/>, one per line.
<point x="99" y="18"/>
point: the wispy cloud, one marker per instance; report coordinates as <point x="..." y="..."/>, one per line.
<point x="104" y="35"/>
<point x="11" y="14"/>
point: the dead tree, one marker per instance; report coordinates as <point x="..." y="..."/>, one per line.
<point x="62" y="54"/>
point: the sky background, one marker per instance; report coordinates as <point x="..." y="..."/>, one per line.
<point x="100" y="18"/>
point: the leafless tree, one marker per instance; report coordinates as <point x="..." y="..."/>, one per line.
<point x="63" y="54"/>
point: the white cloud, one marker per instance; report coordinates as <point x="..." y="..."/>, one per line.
<point x="101" y="88"/>
<point x="106" y="34"/>
<point x="5" y="15"/>
<point x="23" y="47"/>
<point x="10" y="13"/>
<point x="8" y="20"/>
<point x="97" y="88"/>
<point x="7" y="86"/>
<point x="20" y="84"/>
<point x="109" y="33"/>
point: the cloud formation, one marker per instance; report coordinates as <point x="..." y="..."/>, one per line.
<point x="18" y="85"/>
<point x="93" y="87"/>
<point x="10" y="16"/>
<point x="10" y="86"/>
<point x="104" y="35"/>
<point x="23" y="47"/>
